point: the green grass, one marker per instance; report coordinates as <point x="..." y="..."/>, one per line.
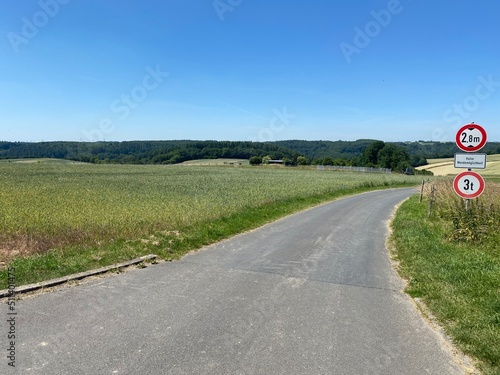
<point x="458" y="281"/>
<point x="60" y="218"/>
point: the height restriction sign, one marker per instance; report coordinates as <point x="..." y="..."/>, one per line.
<point x="469" y="184"/>
<point x="471" y="137"/>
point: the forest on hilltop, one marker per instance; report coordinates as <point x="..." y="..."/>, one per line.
<point x="363" y="152"/>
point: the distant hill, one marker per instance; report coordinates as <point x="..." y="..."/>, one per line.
<point x="347" y="150"/>
<point x="143" y="152"/>
<point x="178" y="151"/>
<point x="353" y="149"/>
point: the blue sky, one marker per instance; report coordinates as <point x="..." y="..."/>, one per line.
<point x="248" y="69"/>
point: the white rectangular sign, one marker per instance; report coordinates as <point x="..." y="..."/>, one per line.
<point x="477" y="161"/>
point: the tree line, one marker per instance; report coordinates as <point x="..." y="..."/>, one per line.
<point x="144" y="152"/>
<point x="364" y="152"/>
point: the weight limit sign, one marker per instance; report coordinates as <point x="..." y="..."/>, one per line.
<point x="469" y="185"/>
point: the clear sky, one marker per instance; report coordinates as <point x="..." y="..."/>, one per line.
<point x="248" y="69"/>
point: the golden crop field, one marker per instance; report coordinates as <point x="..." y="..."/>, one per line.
<point x="445" y="167"/>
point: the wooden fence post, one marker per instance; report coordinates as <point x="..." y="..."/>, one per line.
<point x="431" y="200"/>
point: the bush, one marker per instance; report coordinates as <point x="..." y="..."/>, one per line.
<point x="255" y="160"/>
<point x="302" y="160"/>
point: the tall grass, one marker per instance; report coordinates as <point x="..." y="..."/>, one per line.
<point x="476" y="222"/>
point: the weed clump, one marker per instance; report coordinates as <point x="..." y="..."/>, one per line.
<point x="473" y="222"/>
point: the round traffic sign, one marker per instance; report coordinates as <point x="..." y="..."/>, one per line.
<point x="471" y="137"/>
<point x="469" y="184"/>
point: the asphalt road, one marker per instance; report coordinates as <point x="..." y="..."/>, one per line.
<point x="313" y="293"/>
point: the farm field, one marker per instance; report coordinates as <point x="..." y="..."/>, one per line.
<point x="217" y="162"/>
<point x="445" y="167"/>
<point x="101" y="214"/>
<point x="38" y="161"/>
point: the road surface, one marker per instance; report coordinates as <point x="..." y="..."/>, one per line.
<point x="313" y="293"/>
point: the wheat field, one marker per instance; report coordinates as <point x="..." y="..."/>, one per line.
<point x="445" y="167"/>
<point x="47" y="204"/>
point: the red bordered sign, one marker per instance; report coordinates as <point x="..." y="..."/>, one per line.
<point x="471" y="137"/>
<point x="469" y="184"/>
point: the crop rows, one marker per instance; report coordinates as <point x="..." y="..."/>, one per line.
<point x="53" y="205"/>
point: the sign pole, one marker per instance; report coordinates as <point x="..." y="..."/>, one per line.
<point x="467" y="200"/>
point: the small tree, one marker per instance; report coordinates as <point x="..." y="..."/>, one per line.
<point x="394" y="157"/>
<point x="255" y="160"/>
<point x="370" y="155"/>
<point x="328" y="160"/>
<point x="302" y="160"/>
<point x="265" y="159"/>
<point x="340" y="162"/>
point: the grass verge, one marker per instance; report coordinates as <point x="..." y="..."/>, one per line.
<point x="458" y="281"/>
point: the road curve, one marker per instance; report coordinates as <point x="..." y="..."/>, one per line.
<point x="313" y="293"/>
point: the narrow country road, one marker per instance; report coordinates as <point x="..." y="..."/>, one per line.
<point x="313" y="293"/>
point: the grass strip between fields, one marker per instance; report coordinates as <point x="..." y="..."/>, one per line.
<point x="458" y="281"/>
<point x="168" y="245"/>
